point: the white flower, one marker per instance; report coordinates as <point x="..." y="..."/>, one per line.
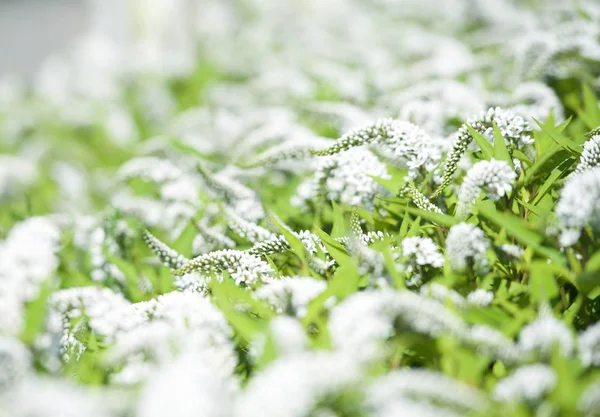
<point x="423" y="386"/>
<point x="168" y="256"/>
<point x="364" y="320"/>
<point x="172" y="325"/>
<point x="494" y="178"/>
<point x="346" y="178"/>
<point x="528" y="383"/>
<point x="45" y="397"/>
<point x="589" y="345"/>
<point x="491" y="342"/>
<point x="544" y="334"/>
<point x="515" y="130"/>
<point x="579" y="205"/>
<point x="588" y="403"/>
<point x="467" y="244"/>
<point x="294" y="385"/>
<point x="422" y="251"/>
<point x="244" y="267"/>
<point x="245" y="229"/>
<point x="512" y="250"/>
<point x="590" y="157"/>
<point x="15" y="362"/>
<point x="71" y="311"/>
<point x="28" y="256"/>
<point x="288" y="335"/>
<point x="187" y="387"/>
<point x="291" y="294"/>
<point x="535" y="100"/>
<point x="150" y="169"/>
<point x="15" y="174"/>
<point x="404" y="143"/>
<point x="480" y="297"/>
<point x="434" y="104"/>
<point x="442" y="294"/>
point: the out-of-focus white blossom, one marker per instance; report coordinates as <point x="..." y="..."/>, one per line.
<point x="364" y="320"/>
<point x="512" y="250"/>
<point x="28" y="256"/>
<point x="545" y="334"/>
<point x="589" y="401"/>
<point x="15" y="362"/>
<point x="55" y="398"/>
<point x="15" y="175"/>
<point x="579" y="205"/>
<point x="442" y="294"/>
<point x="466" y="245"/>
<point x="528" y="383"/>
<point x="480" y="297"/>
<point x="291" y="295"/>
<point x="295" y="384"/>
<point x="187" y="387"/>
<point x="420" y="385"/>
<point x="589" y="345"/>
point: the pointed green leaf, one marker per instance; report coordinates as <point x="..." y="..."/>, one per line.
<point x="339" y="223"/>
<point x="484" y="145"/>
<point x="520" y="231"/>
<point x="335" y="249"/>
<point x="561" y="140"/>
<point x="546" y="186"/>
<point x="500" y="150"/>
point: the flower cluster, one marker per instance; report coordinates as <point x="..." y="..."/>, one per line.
<point x="466" y="245"/>
<point x="345" y="177"/>
<point x="579" y="205"/>
<point x="514" y="129"/>
<point x="494" y="178"/>
<point x="240" y="208"/>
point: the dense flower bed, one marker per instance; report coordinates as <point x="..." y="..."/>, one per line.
<point x="305" y="208"/>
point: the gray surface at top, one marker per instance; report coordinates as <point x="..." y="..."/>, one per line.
<point x="32" y="29"/>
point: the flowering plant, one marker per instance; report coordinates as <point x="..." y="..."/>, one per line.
<point x="305" y="208"/>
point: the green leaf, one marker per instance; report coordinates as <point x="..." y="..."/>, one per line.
<point x="35" y="314"/>
<point x="521" y="231"/>
<point x="500" y="150"/>
<point x="295" y="243"/>
<point x="131" y="277"/>
<point x="483" y="143"/>
<point x="442" y="219"/>
<point x="335" y="249"/>
<point x="184" y="242"/>
<point x="530" y="207"/>
<point x="590" y="114"/>
<point x="178" y="144"/>
<point x="522" y="157"/>
<point x="415" y="228"/>
<point x="225" y="295"/>
<point x="561" y="140"/>
<point x="546" y="186"/>
<point x="542" y="284"/>
<point x="391" y="185"/>
<point x="339" y="223"/>
<point x="227" y="287"/>
<point x="344" y="283"/>
<point x="593" y="263"/>
<point x="404" y="225"/>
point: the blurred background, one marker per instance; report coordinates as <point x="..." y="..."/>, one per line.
<point x="32" y="29"/>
